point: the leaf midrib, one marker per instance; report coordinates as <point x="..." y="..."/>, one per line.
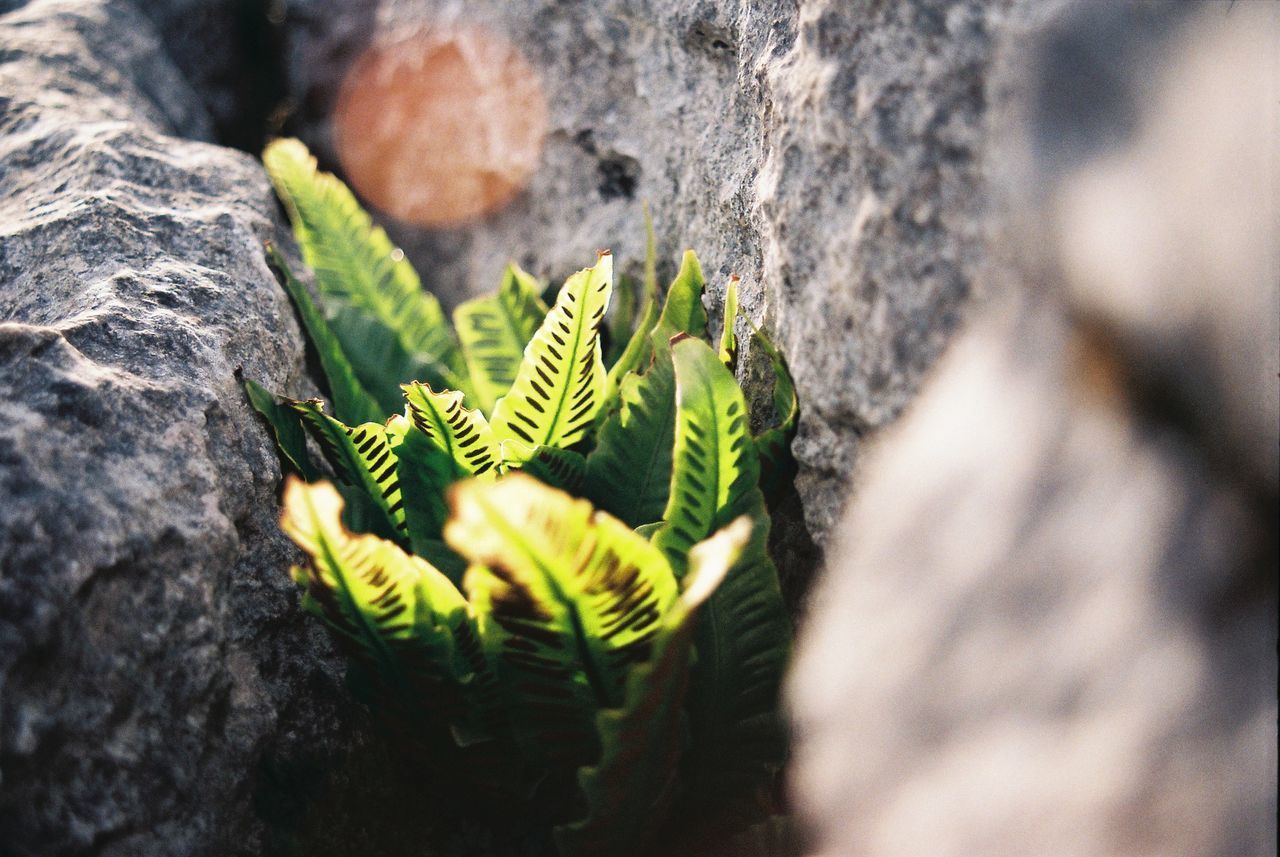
<point x="572" y="362"/>
<point x="515" y="536"/>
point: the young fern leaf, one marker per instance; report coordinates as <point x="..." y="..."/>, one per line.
<point x="286" y="424"/>
<point x="493" y="332"/>
<point x="569" y="599"/>
<point x="395" y="615"/>
<point x="728" y="341"/>
<point x="356" y="265"/>
<point x="630" y="790"/>
<point x="683" y="311"/>
<point x="629" y="471"/>
<point x="363" y="459"/>
<point x="743" y="638"/>
<point x="460" y="433"/>
<point x="558" y="387"/>
<point x="351" y="400"/>
<point x="773" y="445"/>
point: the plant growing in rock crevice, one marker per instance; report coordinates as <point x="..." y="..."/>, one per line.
<point x="546" y="566"/>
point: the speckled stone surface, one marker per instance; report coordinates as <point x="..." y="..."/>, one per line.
<point x="159" y="690"/>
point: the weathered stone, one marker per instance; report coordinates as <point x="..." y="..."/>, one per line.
<point x="1049" y="626"/>
<point x="159" y="691"/>
<point x="825" y="151"/>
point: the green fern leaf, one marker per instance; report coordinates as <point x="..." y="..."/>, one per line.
<point x="356" y="266"/>
<point x="494" y="331"/>
<point x="351" y="400"/>
<point x="630" y="790"/>
<point x="424" y="472"/>
<point x="635" y="354"/>
<point x="460" y="433"/>
<point x="715" y="467"/>
<point x="728" y="341"/>
<point x="743" y="639"/>
<point x="773" y="445"/>
<point x="681" y="313"/>
<point x="286" y="424"/>
<point x="393" y="613"/>
<point x="568" y="599"/>
<point x="362" y="459"/>
<point x="629" y="471"/>
<point x="558" y="387"/>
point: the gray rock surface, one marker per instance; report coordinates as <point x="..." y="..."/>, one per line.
<point x="1049" y="626"/>
<point x="159" y="691"/>
<point x="826" y="151"/>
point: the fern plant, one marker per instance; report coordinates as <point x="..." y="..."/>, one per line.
<point x="548" y="564"/>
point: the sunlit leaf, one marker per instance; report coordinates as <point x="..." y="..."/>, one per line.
<point x="362" y="458"/>
<point x="630" y="790"/>
<point x="568" y="599"/>
<point x="459" y="432"/>
<point x="558" y="387"/>
<point x="743" y="639"/>
<point x="394" y="613"/>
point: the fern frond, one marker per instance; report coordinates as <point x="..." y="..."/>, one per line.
<point x="630" y="790"/>
<point x="286" y="425"/>
<point x="459" y="432"/>
<point x="356" y="266"/>
<point x="743" y="639"/>
<point x="569" y="600"/>
<point x="352" y="401"/>
<point x="494" y="330"/>
<point x="558" y="387"/>
<point x="362" y="458"/>
<point x="728" y="341"/>
<point x="395" y="614"/>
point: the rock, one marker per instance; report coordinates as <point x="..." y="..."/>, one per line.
<point x="1049" y="625"/>
<point x="228" y="52"/>
<point x="828" y="153"/>
<point x="160" y="692"/>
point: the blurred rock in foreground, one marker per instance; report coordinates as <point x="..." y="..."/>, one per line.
<point x="1049" y="626"/>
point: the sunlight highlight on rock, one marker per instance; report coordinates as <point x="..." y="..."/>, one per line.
<point x="442" y="128"/>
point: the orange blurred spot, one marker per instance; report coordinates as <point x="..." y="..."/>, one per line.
<point x="440" y="129"/>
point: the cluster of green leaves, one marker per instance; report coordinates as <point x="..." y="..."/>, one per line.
<point x="522" y="561"/>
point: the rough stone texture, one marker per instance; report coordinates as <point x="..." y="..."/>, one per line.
<point x="159" y="691"/>
<point x="1049" y="626"/>
<point x="826" y="151"/>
